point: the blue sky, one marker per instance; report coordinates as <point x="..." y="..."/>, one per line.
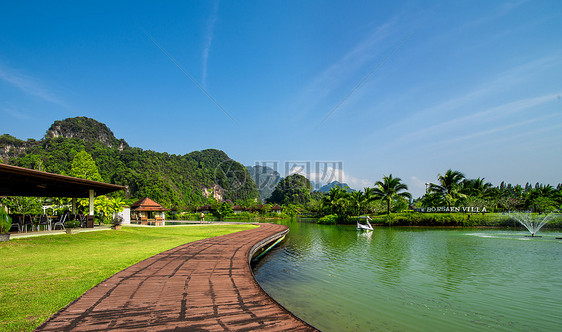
<point x="411" y="88"/>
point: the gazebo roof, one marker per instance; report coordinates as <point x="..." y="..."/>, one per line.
<point x="206" y="207"/>
<point x="19" y="181"/>
<point x="146" y="204"/>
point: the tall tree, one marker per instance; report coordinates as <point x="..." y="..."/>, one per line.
<point x="336" y="201"/>
<point x="294" y="189"/>
<point x="84" y="167"/>
<point x="390" y="189"/>
<point x="541" y="198"/>
<point x="357" y="201"/>
<point x="477" y="188"/>
<point x="449" y="187"/>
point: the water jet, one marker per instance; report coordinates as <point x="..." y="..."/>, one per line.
<point x="533" y="223"/>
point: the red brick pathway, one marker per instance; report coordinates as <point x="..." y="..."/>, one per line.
<point x="200" y="286"/>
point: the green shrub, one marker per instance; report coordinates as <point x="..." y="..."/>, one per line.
<point x="5" y="221"/>
<point x="72" y="224"/>
<point x="117" y="220"/>
<point x="330" y="219"/>
<point x="455" y="219"/>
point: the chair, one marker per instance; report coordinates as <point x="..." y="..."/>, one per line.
<point x="17" y="220"/>
<point x="43" y="221"/>
<point x="61" y="222"/>
<point x="158" y="221"/>
<point x="82" y="218"/>
<point x="27" y="221"/>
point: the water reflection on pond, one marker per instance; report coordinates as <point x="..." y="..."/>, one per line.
<point x="417" y="279"/>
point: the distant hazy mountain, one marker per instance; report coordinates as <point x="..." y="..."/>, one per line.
<point x="330" y="185"/>
<point x="266" y="178"/>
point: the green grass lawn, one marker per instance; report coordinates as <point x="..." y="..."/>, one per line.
<point x="41" y="275"/>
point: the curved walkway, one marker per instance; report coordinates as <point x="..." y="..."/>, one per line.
<point x="205" y="285"/>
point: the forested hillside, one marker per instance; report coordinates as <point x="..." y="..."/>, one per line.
<point x="175" y="181"/>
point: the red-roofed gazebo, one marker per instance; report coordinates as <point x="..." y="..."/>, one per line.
<point x="145" y="209"/>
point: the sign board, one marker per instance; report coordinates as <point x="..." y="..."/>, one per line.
<point x="452" y="209"/>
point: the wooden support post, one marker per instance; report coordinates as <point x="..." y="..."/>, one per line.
<point x="91" y="202"/>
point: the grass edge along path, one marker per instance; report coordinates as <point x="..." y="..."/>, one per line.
<point x="41" y="275"/>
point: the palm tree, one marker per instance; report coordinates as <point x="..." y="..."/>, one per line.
<point x="335" y="202"/>
<point x="476" y="188"/>
<point x="357" y="201"/>
<point x="390" y="189"/>
<point x="540" y="197"/>
<point x="449" y="187"/>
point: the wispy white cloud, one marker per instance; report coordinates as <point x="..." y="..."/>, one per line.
<point x="499" y="83"/>
<point x="356" y="182"/>
<point x="416" y="186"/>
<point x="471" y="23"/>
<point x="503" y="128"/>
<point x="529" y="140"/>
<point x="16" y="113"/>
<point x="500" y="12"/>
<point x="512" y="134"/>
<point x="334" y="80"/>
<point x="209" y="41"/>
<point x="28" y="85"/>
<point x="355" y="58"/>
<point x="503" y="111"/>
<point x="469" y="108"/>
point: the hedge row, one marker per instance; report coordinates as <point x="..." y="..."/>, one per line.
<point x="455" y="219"/>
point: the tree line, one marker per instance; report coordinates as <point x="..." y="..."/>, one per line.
<point x="454" y="189"/>
<point x="390" y="194"/>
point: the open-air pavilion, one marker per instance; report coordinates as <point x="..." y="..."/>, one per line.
<point x="19" y="181"/>
<point x="146" y="209"/>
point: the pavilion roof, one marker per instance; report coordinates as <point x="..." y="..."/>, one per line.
<point x="206" y="207"/>
<point x="146" y="204"/>
<point x="20" y="181"/>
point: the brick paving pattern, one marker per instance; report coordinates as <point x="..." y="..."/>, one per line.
<point x="205" y="285"/>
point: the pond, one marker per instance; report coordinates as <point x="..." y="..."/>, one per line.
<point x="417" y="279"/>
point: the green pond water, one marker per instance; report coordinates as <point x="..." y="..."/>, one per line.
<point x="417" y="279"/>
